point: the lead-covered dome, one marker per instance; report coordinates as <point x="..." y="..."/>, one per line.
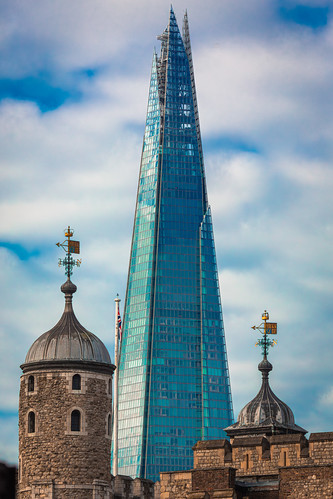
<point x="68" y="340"/>
<point x="266" y="413"/>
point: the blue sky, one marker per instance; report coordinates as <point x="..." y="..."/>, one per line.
<point x="74" y="82"/>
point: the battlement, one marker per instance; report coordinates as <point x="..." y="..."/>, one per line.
<point x="253" y="455"/>
<point x="262" y="466"/>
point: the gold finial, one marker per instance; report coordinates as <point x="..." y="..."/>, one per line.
<point x="265" y="316"/>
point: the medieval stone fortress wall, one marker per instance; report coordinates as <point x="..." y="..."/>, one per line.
<point x="289" y="465"/>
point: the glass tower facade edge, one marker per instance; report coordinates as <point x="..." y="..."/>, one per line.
<point x="173" y="373"/>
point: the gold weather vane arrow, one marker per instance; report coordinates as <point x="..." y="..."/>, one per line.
<point x="266" y="328"/>
<point x="69" y="247"/>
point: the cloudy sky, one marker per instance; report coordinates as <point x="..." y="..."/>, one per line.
<point x="74" y="79"/>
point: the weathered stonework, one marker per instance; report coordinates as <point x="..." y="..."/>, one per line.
<point x="213" y="479"/>
<point x="126" y="487"/>
<point x="264" y="455"/>
<point x="175" y="484"/>
<point x="55" y="461"/>
<point x="274" y="467"/>
<point x="306" y="481"/>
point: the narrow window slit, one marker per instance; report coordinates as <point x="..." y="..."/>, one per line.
<point x="76" y="382"/>
<point x="76" y="420"/>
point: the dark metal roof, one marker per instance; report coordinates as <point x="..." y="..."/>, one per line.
<point x="266" y="413"/>
<point x="68" y="340"/>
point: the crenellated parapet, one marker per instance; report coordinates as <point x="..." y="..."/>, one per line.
<point x="257" y="464"/>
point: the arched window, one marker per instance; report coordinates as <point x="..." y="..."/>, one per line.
<point x="76" y="420"/>
<point x="76" y="382"/>
<point x="31" y="384"/>
<point x="109" y="428"/>
<point x="31" y="422"/>
<point x="110" y="386"/>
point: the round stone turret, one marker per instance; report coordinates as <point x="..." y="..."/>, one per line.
<point x="65" y="412"/>
<point x="266" y="414"/>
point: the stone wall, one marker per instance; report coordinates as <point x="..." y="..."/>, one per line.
<point x="53" y="451"/>
<point x="48" y="489"/>
<point x="198" y="484"/>
<point x="175" y="484"/>
<point x="120" y="487"/>
<point x="252" y="467"/>
<point x="212" y="453"/>
<point x="306" y="481"/>
<point x="213" y="479"/>
<point x="264" y="455"/>
<point x="126" y="487"/>
<point x="321" y="447"/>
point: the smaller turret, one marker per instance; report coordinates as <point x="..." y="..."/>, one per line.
<point x="266" y="414"/>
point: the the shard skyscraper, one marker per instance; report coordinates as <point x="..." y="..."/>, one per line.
<point x="173" y="375"/>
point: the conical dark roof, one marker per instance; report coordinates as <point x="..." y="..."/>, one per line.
<point x="266" y="413"/>
<point x="68" y="340"/>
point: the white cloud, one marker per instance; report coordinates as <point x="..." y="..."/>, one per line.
<point x="326" y="398"/>
<point x="276" y="94"/>
<point x="235" y="182"/>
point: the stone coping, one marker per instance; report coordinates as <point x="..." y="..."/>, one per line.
<point x="321" y="437"/>
<point x="249" y="441"/>
<point x="55" y="365"/>
<point x="304" y="466"/>
<point x="211" y="444"/>
<point x="287" y="438"/>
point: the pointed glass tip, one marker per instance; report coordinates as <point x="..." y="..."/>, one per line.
<point x="172" y="14"/>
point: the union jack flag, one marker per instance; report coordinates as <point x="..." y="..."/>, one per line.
<point x="119" y="326"/>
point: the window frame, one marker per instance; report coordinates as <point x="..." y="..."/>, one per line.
<point x="76" y="382"/>
<point x="73" y="422"/>
<point x="31" y="383"/>
<point x="31" y="414"/>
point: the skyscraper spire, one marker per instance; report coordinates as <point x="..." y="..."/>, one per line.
<point x="187" y="46"/>
<point x="173" y="373"/>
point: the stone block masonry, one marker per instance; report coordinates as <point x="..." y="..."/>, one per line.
<point x="257" y="467"/>
<point x="70" y="461"/>
<point x="306" y="482"/>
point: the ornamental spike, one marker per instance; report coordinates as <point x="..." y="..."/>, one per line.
<point x="266" y="328"/>
<point x="69" y="246"/>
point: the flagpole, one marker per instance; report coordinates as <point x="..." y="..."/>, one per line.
<point x="115" y="400"/>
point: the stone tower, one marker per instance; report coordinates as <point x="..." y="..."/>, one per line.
<point x="65" y="413"/>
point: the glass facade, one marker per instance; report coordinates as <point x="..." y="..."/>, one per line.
<point x="173" y="374"/>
